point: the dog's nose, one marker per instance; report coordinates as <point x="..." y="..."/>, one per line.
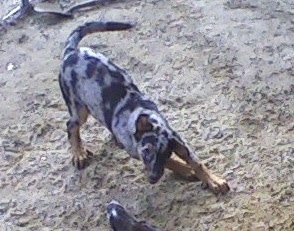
<point x="155" y="176"/>
<point x="153" y="179"/>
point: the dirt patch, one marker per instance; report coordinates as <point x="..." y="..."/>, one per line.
<point x="221" y="71"/>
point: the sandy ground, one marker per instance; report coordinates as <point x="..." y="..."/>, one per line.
<point x="222" y="73"/>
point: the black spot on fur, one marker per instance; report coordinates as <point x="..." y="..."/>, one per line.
<point x="111" y="97"/>
<point x="102" y="70"/>
<point x="91" y="69"/>
<point x="157" y="129"/>
<point x="100" y="80"/>
<point x="70" y="61"/>
<point x="117" y="75"/>
<point x="152" y="139"/>
<point x="114" y="94"/>
<point x="96" y="68"/>
<point x="161" y="158"/>
<point x="165" y="134"/>
<point x="65" y="93"/>
<point x="108" y="113"/>
<point x="74" y="78"/>
<point x="134" y="101"/>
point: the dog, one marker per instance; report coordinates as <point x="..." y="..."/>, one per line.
<point x="121" y="220"/>
<point x="91" y="84"/>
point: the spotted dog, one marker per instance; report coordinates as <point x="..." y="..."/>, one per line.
<point x="92" y="84"/>
<point x="121" y="220"/>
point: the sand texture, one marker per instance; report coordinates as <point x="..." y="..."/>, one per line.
<point x="221" y="71"/>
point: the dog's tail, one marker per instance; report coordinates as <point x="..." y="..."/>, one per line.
<point x="90" y="27"/>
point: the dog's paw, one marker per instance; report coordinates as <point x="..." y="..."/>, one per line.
<point x="82" y="160"/>
<point x="217" y="185"/>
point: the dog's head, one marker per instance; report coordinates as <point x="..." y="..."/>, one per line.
<point x="119" y="218"/>
<point x="153" y="144"/>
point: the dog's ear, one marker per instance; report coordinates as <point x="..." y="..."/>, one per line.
<point x="142" y="125"/>
<point x="179" y="147"/>
<point x="119" y="217"/>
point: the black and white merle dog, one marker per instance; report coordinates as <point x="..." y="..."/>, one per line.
<point x="121" y="220"/>
<point x="92" y="84"/>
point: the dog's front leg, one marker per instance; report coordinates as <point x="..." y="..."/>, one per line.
<point x="178" y="166"/>
<point x="215" y="183"/>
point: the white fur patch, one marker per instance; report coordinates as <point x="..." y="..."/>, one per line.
<point x="113" y="213"/>
<point x="91" y="52"/>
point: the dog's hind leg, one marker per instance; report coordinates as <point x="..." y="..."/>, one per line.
<point x="79" y="115"/>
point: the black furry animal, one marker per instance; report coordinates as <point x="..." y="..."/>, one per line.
<point x="121" y="220"/>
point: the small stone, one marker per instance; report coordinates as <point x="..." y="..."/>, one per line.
<point x="23" y="39"/>
<point x="10" y="67"/>
<point x="4" y="206"/>
<point x="288" y="192"/>
<point x="43" y="158"/>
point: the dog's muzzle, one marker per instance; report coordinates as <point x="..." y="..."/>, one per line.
<point x="154" y="178"/>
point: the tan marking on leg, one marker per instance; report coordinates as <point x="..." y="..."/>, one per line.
<point x="181" y="168"/>
<point x="215" y="183"/>
<point x="80" y="155"/>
